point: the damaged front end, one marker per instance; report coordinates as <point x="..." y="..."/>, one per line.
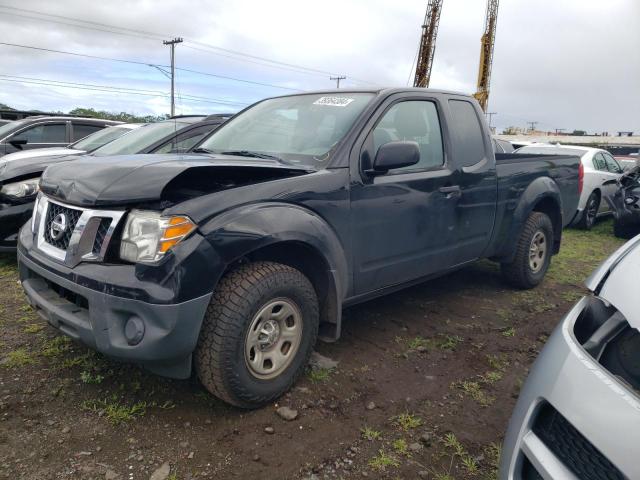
<point x="609" y="328"/>
<point x="16" y="205"/>
<point x="625" y="204"/>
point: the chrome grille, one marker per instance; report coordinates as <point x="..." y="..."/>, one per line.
<point x="101" y="234"/>
<point x="78" y="234"/>
<point x="71" y="219"/>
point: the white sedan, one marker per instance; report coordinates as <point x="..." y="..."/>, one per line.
<point x="598" y="166"/>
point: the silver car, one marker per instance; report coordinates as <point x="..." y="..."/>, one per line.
<point x="578" y="415"/>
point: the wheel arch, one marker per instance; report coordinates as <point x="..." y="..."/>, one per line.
<point x="542" y="195"/>
<point x="293" y="236"/>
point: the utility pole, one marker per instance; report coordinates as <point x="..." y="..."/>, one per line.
<point x="532" y="126"/>
<point x="173" y="70"/>
<point x="490" y="115"/>
<point x="337" y="79"/>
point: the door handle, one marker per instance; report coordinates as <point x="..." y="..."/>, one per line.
<point x="451" y="192"/>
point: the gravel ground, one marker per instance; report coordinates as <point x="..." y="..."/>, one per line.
<point x="423" y="387"/>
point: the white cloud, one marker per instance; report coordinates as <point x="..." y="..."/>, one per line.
<point x="570" y="64"/>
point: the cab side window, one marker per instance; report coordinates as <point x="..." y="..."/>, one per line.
<point x="49" y="133"/>
<point x="469" y="142"/>
<point x="599" y="162"/>
<point x="417" y="121"/>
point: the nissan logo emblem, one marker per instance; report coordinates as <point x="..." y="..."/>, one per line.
<point x="59" y="226"/>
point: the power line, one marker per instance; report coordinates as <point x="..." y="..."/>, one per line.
<point x="112" y="89"/>
<point x="146" y="64"/>
<point x="96" y="57"/>
<point x="155" y="36"/>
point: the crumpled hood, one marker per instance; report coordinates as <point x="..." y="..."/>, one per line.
<point x="131" y="179"/>
<point x="23" y="167"/>
<point x="616" y="281"/>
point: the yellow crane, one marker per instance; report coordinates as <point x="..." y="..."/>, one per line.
<point x="486" y="54"/>
<point x="427" y="44"/>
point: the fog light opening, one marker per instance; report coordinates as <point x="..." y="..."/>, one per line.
<point x="134" y="330"/>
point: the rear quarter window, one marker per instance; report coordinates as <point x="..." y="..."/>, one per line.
<point x="467" y="133"/>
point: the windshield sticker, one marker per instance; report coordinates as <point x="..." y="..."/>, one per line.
<point x="334" y="101"/>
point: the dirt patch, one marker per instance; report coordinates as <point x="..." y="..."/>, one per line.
<point x="424" y="387"/>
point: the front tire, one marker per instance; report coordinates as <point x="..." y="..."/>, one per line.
<point x="533" y="253"/>
<point x="258" y="333"/>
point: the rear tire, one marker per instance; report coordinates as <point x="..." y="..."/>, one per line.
<point x="625" y="231"/>
<point x="533" y="253"/>
<point x="242" y="356"/>
<point x="590" y="213"/>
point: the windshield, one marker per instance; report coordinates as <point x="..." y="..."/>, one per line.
<point x="301" y="129"/>
<point x="141" y="138"/>
<point x="99" y="138"/>
<point x="10" y="127"/>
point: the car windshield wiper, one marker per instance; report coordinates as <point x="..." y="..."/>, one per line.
<point x="202" y="150"/>
<point x="251" y="154"/>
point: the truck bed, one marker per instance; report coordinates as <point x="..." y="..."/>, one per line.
<point x="516" y="173"/>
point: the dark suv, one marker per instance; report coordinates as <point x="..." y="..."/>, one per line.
<point x="43" y="132"/>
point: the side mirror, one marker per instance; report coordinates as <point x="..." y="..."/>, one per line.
<point x="395" y="155"/>
<point x="18" y="143"/>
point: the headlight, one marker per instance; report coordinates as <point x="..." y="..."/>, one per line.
<point x="23" y="189"/>
<point x="147" y="236"/>
<point x="38" y="206"/>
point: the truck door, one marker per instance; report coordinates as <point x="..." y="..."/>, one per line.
<point x="402" y="221"/>
<point x="475" y="175"/>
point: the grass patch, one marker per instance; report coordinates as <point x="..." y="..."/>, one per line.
<point x="419" y="342"/>
<point x="406" y="421"/>
<point x="588" y="250"/>
<point x="475" y="391"/>
<point x="33" y="328"/>
<point x="56" y="347"/>
<point x="115" y="411"/>
<point x="92" y="378"/>
<point x="449" y="342"/>
<point x="370" y="434"/>
<point x="401" y="447"/>
<point x="509" y="332"/>
<point x="469" y="464"/>
<point x="382" y="461"/>
<point x="18" y="358"/>
<point x="319" y="375"/>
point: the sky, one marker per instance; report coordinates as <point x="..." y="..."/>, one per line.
<point x="571" y="64"/>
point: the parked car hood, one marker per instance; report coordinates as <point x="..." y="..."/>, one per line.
<point x="616" y="281"/>
<point x="30" y="166"/>
<point x="42" y="152"/>
<point x="134" y="179"/>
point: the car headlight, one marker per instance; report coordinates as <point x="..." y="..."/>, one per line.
<point x="23" y="189"/>
<point x="38" y="206"/>
<point x="147" y="235"/>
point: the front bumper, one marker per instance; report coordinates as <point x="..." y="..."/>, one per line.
<point x="603" y="410"/>
<point x="12" y="217"/>
<point x="131" y="313"/>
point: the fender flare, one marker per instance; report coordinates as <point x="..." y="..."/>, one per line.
<point x="239" y="232"/>
<point x="542" y="189"/>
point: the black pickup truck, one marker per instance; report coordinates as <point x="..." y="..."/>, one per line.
<point x="234" y="259"/>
